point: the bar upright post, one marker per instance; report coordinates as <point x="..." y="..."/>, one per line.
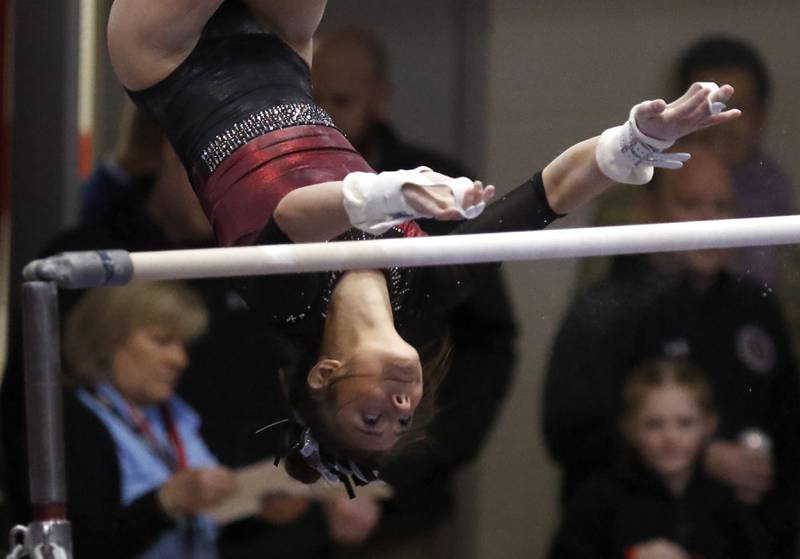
<point x="49" y="533"/>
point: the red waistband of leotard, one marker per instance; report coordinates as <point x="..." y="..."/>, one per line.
<point x="242" y="193"/>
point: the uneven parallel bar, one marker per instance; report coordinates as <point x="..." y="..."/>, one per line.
<point x="430" y="251"/>
<point x="43" y="401"/>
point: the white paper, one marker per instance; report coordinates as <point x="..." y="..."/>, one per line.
<point x="262" y="479"/>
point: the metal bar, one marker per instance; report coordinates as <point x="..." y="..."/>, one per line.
<point x="76" y="270"/>
<point x="429" y="251"/>
<point x="43" y="400"/>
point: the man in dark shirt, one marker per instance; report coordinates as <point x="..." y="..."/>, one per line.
<point x="688" y="305"/>
<point x="351" y="82"/>
<point x="760" y="186"/>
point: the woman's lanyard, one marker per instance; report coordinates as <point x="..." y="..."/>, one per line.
<point x="173" y="455"/>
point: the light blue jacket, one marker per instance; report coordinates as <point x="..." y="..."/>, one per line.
<point x="142" y="470"/>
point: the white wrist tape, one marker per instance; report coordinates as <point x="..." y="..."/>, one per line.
<point x="627" y="155"/>
<point x="375" y="202"/>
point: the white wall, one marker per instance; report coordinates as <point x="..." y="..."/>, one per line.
<point x="561" y="71"/>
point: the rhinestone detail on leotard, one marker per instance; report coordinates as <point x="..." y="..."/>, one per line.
<point x="262" y="122"/>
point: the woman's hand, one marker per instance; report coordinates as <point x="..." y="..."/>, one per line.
<point x="659" y="549"/>
<point x="280" y="509"/>
<point x="192" y="491"/>
<point x="689" y="113"/>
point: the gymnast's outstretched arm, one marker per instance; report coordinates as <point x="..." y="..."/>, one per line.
<point x="575" y="176"/>
<point x="321" y="212"/>
<point x="625" y="153"/>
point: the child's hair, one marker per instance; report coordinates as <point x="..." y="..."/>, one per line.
<point x="665" y="372"/>
<point x="435" y="359"/>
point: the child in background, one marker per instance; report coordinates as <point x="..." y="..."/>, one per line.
<point x="657" y="503"/>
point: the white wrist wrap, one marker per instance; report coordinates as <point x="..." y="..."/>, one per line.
<point x="375" y="202"/>
<point x="627" y="155"/>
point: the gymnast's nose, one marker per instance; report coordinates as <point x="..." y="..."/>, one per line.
<point x="402" y="402"/>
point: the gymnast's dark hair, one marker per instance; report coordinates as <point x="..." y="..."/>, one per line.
<point x="722" y="51"/>
<point x="435" y="360"/>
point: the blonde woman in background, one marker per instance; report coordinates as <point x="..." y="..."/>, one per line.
<point x="139" y="474"/>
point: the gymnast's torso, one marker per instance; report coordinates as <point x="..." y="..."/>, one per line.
<point x="240" y="114"/>
<point x="237" y="70"/>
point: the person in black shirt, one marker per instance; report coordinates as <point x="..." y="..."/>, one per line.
<point x="352" y="83"/>
<point x="684" y="304"/>
<point x="656" y="502"/>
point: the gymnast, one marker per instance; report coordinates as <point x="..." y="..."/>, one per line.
<point x="229" y="81"/>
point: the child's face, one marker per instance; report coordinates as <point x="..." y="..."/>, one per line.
<point x="669" y="430"/>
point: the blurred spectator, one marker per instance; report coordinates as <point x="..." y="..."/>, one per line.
<point x="656" y="502"/>
<point x="138" y="471"/>
<point x="231" y="378"/>
<point x="760" y="186"/>
<point x="683" y="304"/>
<point x="127" y="170"/>
<point x="351" y="82"/>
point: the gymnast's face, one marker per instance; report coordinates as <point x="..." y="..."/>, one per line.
<point x="669" y="429"/>
<point x="146" y="367"/>
<point x="369" y="400"/>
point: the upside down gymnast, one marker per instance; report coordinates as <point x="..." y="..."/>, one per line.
<point x="229" y="81"/>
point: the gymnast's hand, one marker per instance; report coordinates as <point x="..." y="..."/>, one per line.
<point x="700" y="107"/>
<point x="437" y="201"/>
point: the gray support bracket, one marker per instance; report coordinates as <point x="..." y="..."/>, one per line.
<point x="82" y="270"/>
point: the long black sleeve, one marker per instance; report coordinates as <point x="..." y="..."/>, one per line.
<point x="437" y="289"/>
<point x="525" y="208"/>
